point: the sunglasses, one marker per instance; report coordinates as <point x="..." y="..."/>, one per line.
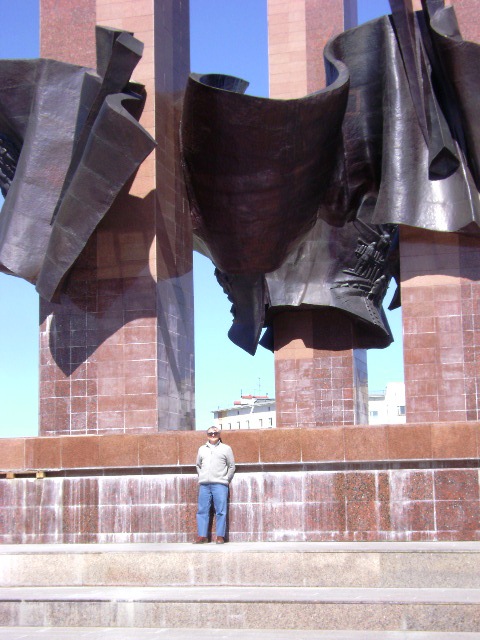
<point x="212" y="433"/>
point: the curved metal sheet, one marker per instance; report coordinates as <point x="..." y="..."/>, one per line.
<point x="77" y="145"/>
<point x="394" y="139"/>
<point x="254" y="172"/>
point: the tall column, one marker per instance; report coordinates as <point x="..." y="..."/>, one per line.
<point x="440" y="286"/>
<point x="117" y="349"/>
<point x="441" y="326"/>
<point x="314" y="386"/>
<point x="298" y="31"/>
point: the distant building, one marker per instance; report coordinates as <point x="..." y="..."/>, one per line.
<point x="259" y="412"/>
<point x="387" y="406"/>
<point x="250" y="412"/>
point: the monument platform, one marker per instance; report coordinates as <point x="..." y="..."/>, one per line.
<point x="413" y="482"/>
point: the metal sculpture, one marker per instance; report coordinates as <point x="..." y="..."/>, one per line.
<point x="297" y="202"/>
<point x="69" y="141"/>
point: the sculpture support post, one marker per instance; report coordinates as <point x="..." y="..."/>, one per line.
<point x="313" y="386"/>
<point x="318" y="387"/>
<point x="440" y="286"/>
<point x="117" y="348"/>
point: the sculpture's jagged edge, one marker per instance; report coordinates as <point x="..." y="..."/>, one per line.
<point x="114" y="134"/>
<point x="79" y="142"/>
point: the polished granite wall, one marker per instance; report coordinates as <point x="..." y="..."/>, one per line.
<point x="396" y="482"/>
<point x="116" y="351"/>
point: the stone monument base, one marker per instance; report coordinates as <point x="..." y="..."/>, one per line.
<point x="413" y="482"/>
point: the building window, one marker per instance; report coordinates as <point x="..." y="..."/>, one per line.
<point x="270" y="422"/>
<point x="230" y="425"/>
<point x="374" y="414"/>
<point x="401" y="410"/>
<point x="238" y="425"/>
<point x="248" y="423"/>
<point x="260" y="423"/>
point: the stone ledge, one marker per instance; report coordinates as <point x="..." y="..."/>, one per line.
<point x="131" y="633"/>
<point x="237" y="594"/>
<point x="347" y="444"/>
<point x="274" y="467"/>
<point x="308" y="608"/>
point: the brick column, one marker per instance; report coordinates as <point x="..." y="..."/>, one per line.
<point x="317" y="387"/>
<point x="298" y="31"/>
<point x="117" y="350"/>
<point x="441" y="322"/>
<point x="314" y="386"/>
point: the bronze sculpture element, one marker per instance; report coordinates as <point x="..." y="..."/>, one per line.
<point x="69" y="141"/>
<point x="297" y="202"/>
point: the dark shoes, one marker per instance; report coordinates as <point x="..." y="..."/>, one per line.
<point x="203" y="540"/>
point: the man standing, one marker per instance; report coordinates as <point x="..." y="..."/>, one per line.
<point x="215" y="468"/>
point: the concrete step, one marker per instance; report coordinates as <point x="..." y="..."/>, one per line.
<point x="124" y="633"/>
<point x="309" y="608"/>
<point x="340" y="565"/>
<point x="243" y="588"/>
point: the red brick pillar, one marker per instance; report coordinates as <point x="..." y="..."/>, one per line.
<point x="441" y="325"/>
<point x="117" y="350"/>
<point x="314" y="386"/>
<point x="317" y="387"/>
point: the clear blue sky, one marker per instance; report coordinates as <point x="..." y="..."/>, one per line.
<point x="227" y="37"/>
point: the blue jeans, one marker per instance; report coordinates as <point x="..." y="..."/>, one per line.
<point x="219" y="494"/>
